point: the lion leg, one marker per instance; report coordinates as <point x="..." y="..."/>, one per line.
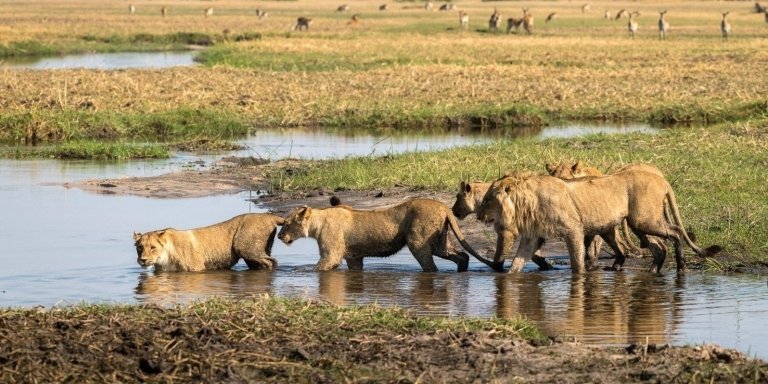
<point x="575" y="245"/>
<point x="460" y="258"/>
<point x="543" y="264"/>
<point x="445" y="250"/>
<point x="504" y="242"/>
<point x="525" y="250"/>
<point x="423" y="255"/>
<point x="328" y="261"/>
<point x="611" y="238"/>
<point x="354" y="263"/>
<point x="265" y="262"/>
<point x="592" y="246"/>
<point x="658" y="250"/>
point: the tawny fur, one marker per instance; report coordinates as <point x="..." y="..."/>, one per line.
<point x="536" y="207"/>
<point x="219" y="246"/>
<point x="351" y="235"/>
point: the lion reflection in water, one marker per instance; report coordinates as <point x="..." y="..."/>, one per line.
<point x="170" y="288"/>
<point x="594" y="307"/>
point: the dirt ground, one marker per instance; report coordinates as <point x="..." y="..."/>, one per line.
<point x="268" y="340"/>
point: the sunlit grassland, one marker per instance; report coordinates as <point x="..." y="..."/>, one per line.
<point x="405" y="67"/>
<point x="715" y="171"/>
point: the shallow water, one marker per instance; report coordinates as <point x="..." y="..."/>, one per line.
<point x="64" y="246"/>
<point x="106" y="61"/>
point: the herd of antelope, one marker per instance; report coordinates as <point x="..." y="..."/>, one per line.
<point x="525" y="21"/>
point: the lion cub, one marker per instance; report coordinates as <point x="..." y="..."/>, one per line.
<point x="219" y="246"/>
<point x="350" y="234"/>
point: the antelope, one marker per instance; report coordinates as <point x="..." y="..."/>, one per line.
<point x="514" y="23"/>
<point x="261" y="14"/>
<point x="132" y="9"/>
<point x="383" y="7"/>
<point x="208" y="12"/>
<point x="725" y="26"/>
<point x="164" y="10"/>
<point x="621" y="14"/>
<point x="550" y="17"/>
<point x="759" y="8"/>
<point x="463" y="20"/>
<point x="632" y="24"/>
<point x="494" y="21"/>
<point x="302" y="23"/>
<point x="585" y="8"/>
<point x="447" y="7"/>
<point x="527" y="21"/>
<point x="607" y="15"/>
<point x="342" y="8"/>
<point x="428" y="6"/>
<point x="663" y="25"/>
<point x="355" y="20"/>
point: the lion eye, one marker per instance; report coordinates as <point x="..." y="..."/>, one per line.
<point x="152" y="247"/>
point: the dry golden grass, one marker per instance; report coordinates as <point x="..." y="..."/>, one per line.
<point x="406" y="62"/>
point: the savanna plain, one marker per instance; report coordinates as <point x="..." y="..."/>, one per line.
<point x="403" y="69"/>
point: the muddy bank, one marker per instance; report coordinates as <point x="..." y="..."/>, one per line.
<point x="279" y="340"/>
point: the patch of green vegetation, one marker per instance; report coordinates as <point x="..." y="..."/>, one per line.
<point x="715" y="171"/>
<point x="54" y="125"/>
<point x="27" y="48"/>
<point x="89" y="150"/>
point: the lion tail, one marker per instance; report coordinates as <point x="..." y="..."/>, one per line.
<point x="709" y="251"/>
<point x="460" y="236"/>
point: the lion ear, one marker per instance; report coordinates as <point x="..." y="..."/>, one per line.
<point x="551" y="168"/>
<point x="467" y="188"/>
<point x="462" y="185"/>
<point x="136" y="236"/>
<point x="305" y="212"/>
<point x="508" y="189"/>
<point x="578" y="166"/>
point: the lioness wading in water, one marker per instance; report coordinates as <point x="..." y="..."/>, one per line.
<point x="537" y="207"/>
<point x="218" y="246"/>
<point x="350" y="234"/>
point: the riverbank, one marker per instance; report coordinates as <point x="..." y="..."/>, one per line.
<point x="288" y="340"/>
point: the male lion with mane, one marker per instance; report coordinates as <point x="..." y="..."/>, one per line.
<point x="537" y="207"/>
<point x="350" y="234"/>
<point x="219" y="246"/>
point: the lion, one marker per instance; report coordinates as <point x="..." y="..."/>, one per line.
<point x="577" y="170"/>
<point x="539" y="206"/>
<point x="471" y="195"/>
<point x="350" y="234"/>
<point x="566" y="172"/>
<point x="219" y="246"/>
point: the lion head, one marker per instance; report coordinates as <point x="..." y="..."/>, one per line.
<point x="296" y="225"/>
<point x="565" y="171"/>
<point x="468" y="197"/>
<point x="510" y="203"/>
<point x="151" y="248"/>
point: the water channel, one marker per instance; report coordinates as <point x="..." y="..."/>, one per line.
<point x="64" y="246"/>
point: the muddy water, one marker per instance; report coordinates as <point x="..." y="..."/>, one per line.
<point x="106" y="61"/>
<point x="63" y="246"/>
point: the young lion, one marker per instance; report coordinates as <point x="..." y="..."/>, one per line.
<point x="537" y="207"/>
<point x="219" y="246"/>
<point x="470" y="197"/>
<point x="343" y="232"/>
